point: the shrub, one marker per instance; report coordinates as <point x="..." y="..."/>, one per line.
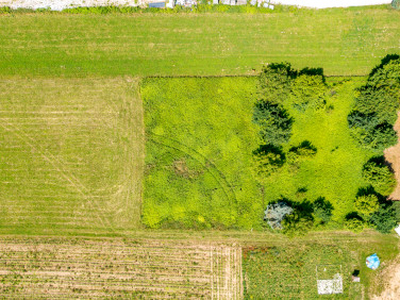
<point x="308" y="91"/>
<point x="379" y="176"/>
<point x="396" y="207"/>
<point x="384" y="220"/>
<point x="322" y="210"/>
<point x="297" y="223"/>
<point x="268" y="159"/>
<point x="354" y="224"/>
<point x="305" y="149"/>
<point x="275" y="82"/>
<point x="274" y="121"/>
<point x="366" y="205"/>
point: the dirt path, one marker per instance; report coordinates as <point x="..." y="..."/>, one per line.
<point x="392" y="155"/>
<point x="391" y="277"/>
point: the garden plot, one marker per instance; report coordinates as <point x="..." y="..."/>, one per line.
<point x="91" y="268"/>
<point x="70" y="154"/>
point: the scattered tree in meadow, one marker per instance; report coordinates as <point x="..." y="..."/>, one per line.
<point x="268" y="159"/>
<point x="354" y="224"/>
<point x="275" y="82"/>
<point x="274" y="121"/>
<point x="275" y="213"/>
<point x="322" y="210"/>
<point x="384" y="219"/>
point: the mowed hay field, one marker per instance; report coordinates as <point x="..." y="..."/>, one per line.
<point x="118" y="267"/>
<point x="71" y="154"/>
<point x="342" y="41"/>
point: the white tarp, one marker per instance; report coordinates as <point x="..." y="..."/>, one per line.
<point x="331" y="286"/>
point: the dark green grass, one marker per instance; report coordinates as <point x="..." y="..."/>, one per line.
<point x="342" y="41"/>
<point x="290" y="271"/>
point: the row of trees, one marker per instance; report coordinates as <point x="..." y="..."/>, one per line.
<point x="295" y="219"/>
<point x="375" y="111"/>
<point x="279" y="86"/>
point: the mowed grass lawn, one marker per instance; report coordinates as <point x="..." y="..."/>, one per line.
<point x="342" y="41"/>
<point x="70" y="154"/>
<point x="199" y="154"/>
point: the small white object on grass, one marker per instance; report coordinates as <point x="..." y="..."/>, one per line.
<point x="397" y="229"/>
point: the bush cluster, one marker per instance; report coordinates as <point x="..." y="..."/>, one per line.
<point x="379" y="176"/>
<point x="297" y="219"/>
<point x="375" y="111"/>
<point x="281" y="86"/>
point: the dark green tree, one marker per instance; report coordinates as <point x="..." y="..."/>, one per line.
<point x="274" y="121"/>
<point x="384" y="220"/>
<point x="322" y="210"/>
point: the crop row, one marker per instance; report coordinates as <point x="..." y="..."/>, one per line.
<point x="44" y="267"/>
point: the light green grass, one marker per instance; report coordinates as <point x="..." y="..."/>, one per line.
<point x="342" y="41"/>
<point x="71" y="154"/>
<point x="198" y="153"/>
<point x="290" y="270"/>
<point x="336" y="171"/>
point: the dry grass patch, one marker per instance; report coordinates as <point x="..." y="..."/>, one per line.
<point x="71" y="154"/>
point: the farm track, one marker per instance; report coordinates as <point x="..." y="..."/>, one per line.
<point x="44" y="267"/>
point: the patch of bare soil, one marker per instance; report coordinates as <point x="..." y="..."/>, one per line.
<point x="392" y="155"/>
<point x="391" y="279"/>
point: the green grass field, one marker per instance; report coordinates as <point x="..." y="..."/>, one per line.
<point x="342" y="41"/>
<point x="199" y="154"/>
<point x="77" y="117"/>
<point x="71" y="154"/>
<point x="335" y="172"/>
<point x="199" y="172"/>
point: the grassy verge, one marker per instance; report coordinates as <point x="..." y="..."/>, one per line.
<point x="195" y="44"/>
<point x="71" y="154"/>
